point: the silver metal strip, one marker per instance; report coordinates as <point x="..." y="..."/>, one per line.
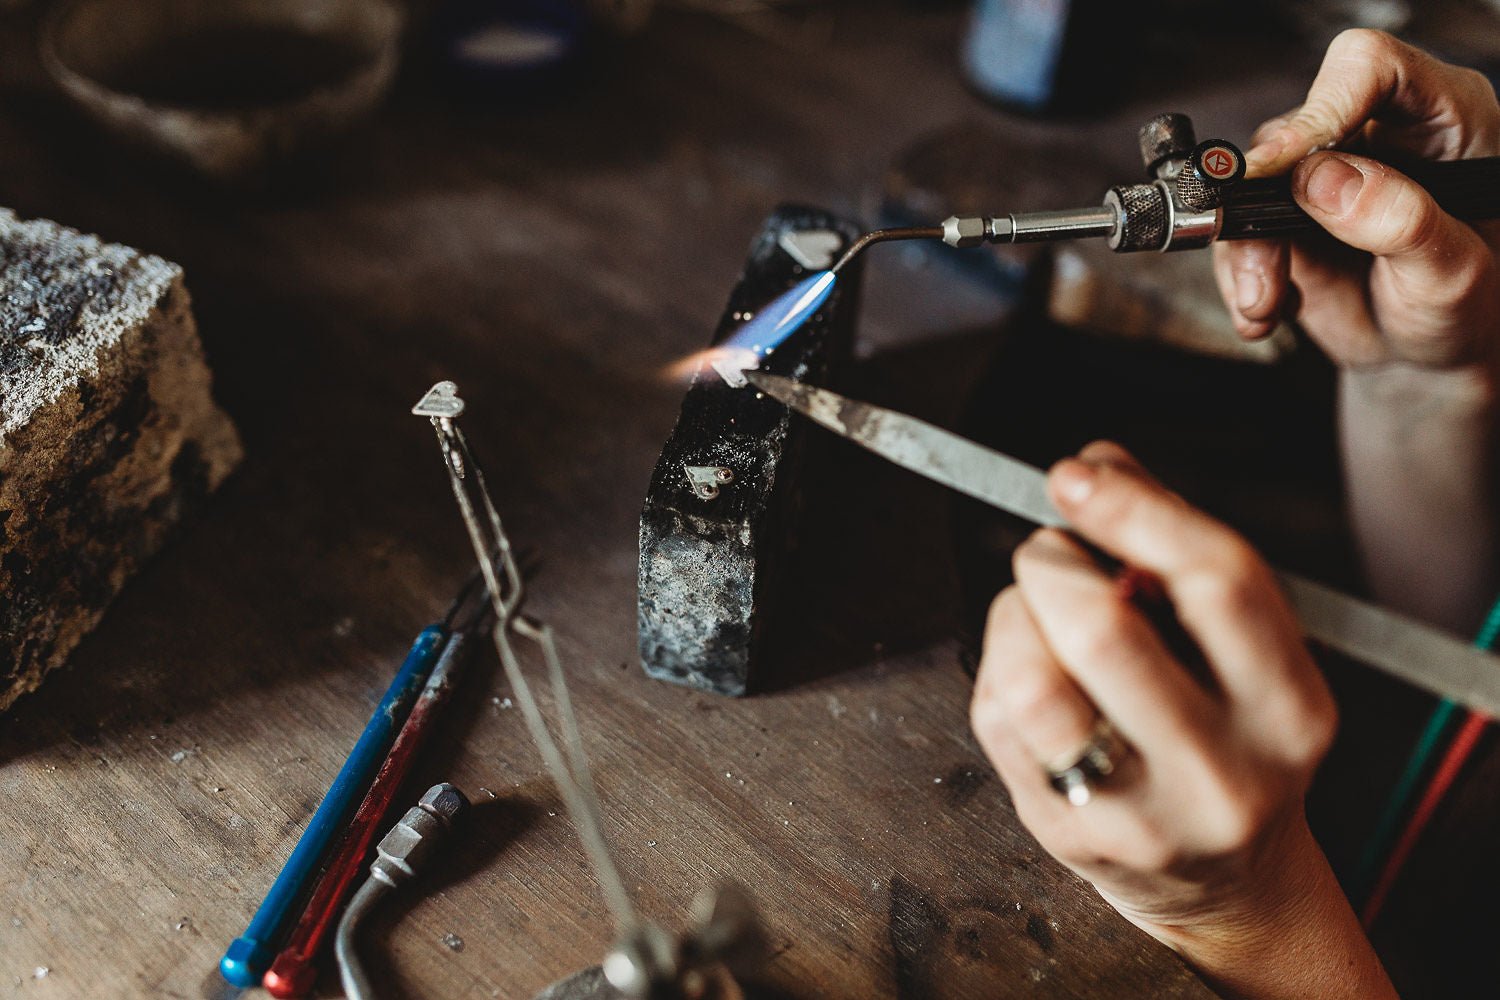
<point x="1419" y="654"/>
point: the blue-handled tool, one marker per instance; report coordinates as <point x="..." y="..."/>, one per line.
<point x="251" y="953"/>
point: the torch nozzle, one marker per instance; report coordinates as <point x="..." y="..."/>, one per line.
<point x="956" y="231"/>
<point x="1020" y="227"/>
<point x="885" y="235"/>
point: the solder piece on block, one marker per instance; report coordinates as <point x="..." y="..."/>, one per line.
<point x="720" y="514"/>
<point x="108" y="433"/>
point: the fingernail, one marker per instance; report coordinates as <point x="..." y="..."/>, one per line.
<point x="1249" y="288"/>
<point x="1263" y="156"/>
<point x="1074" y="480"/>
<point x="1333" y="184"/>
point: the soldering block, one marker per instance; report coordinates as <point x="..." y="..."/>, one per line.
<point x="108" y="433"/>
<point x="709" y="564"/>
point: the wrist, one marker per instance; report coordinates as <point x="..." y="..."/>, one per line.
<point x="1287" y="930"/>
<point x="1273" y="889"/>
<point x="1399" y="387"/>
<point x="1421" y="454"/>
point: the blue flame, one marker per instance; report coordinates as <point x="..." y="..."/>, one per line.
<point x="783" y="315"/>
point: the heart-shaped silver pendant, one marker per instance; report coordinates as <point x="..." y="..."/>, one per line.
<point x="440" y="402"/>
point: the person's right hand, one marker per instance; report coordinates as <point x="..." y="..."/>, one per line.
<point x="1425" y="289"/>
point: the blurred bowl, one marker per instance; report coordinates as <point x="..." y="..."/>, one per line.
<point x="229" y="88"/>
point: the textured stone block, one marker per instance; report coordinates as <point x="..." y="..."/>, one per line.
<point x="108" y="433"/>
<point x="708" y="564"/>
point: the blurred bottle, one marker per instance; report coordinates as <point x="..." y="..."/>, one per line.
<point x="1048" y="55"/>
<point x="517" y="52"/>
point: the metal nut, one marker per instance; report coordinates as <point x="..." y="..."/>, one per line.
<point x="444" y="801"/>
<point x="406" y="847"/>
<point x="1165" y="140"/>
<point x="966" y="232"/>
<point x="408" y="844"/>
<point x="404" y="841"/>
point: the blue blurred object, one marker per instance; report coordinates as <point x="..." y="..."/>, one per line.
<point x="513" y="49"/>
<point x="1014" y="47"/>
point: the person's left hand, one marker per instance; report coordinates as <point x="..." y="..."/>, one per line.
<point x="1199" y="835"/>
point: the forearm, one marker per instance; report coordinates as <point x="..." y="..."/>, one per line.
<point x="1296" y="937"/>
<point x="1419" y="461"/>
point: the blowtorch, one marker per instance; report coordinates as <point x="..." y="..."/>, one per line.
<point x="1197" y="193"/>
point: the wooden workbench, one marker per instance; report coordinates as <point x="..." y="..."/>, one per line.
<point x="553" y="260"/>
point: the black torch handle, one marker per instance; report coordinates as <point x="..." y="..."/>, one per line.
<point x="1263" y="207"/>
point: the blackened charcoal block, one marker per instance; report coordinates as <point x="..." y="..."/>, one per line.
<point x="712" y="542"/>
<point x="108" y="434"/>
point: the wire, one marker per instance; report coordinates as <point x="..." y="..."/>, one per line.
<point x="1417" y="766"/>
<point x="1447" y="772"/>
